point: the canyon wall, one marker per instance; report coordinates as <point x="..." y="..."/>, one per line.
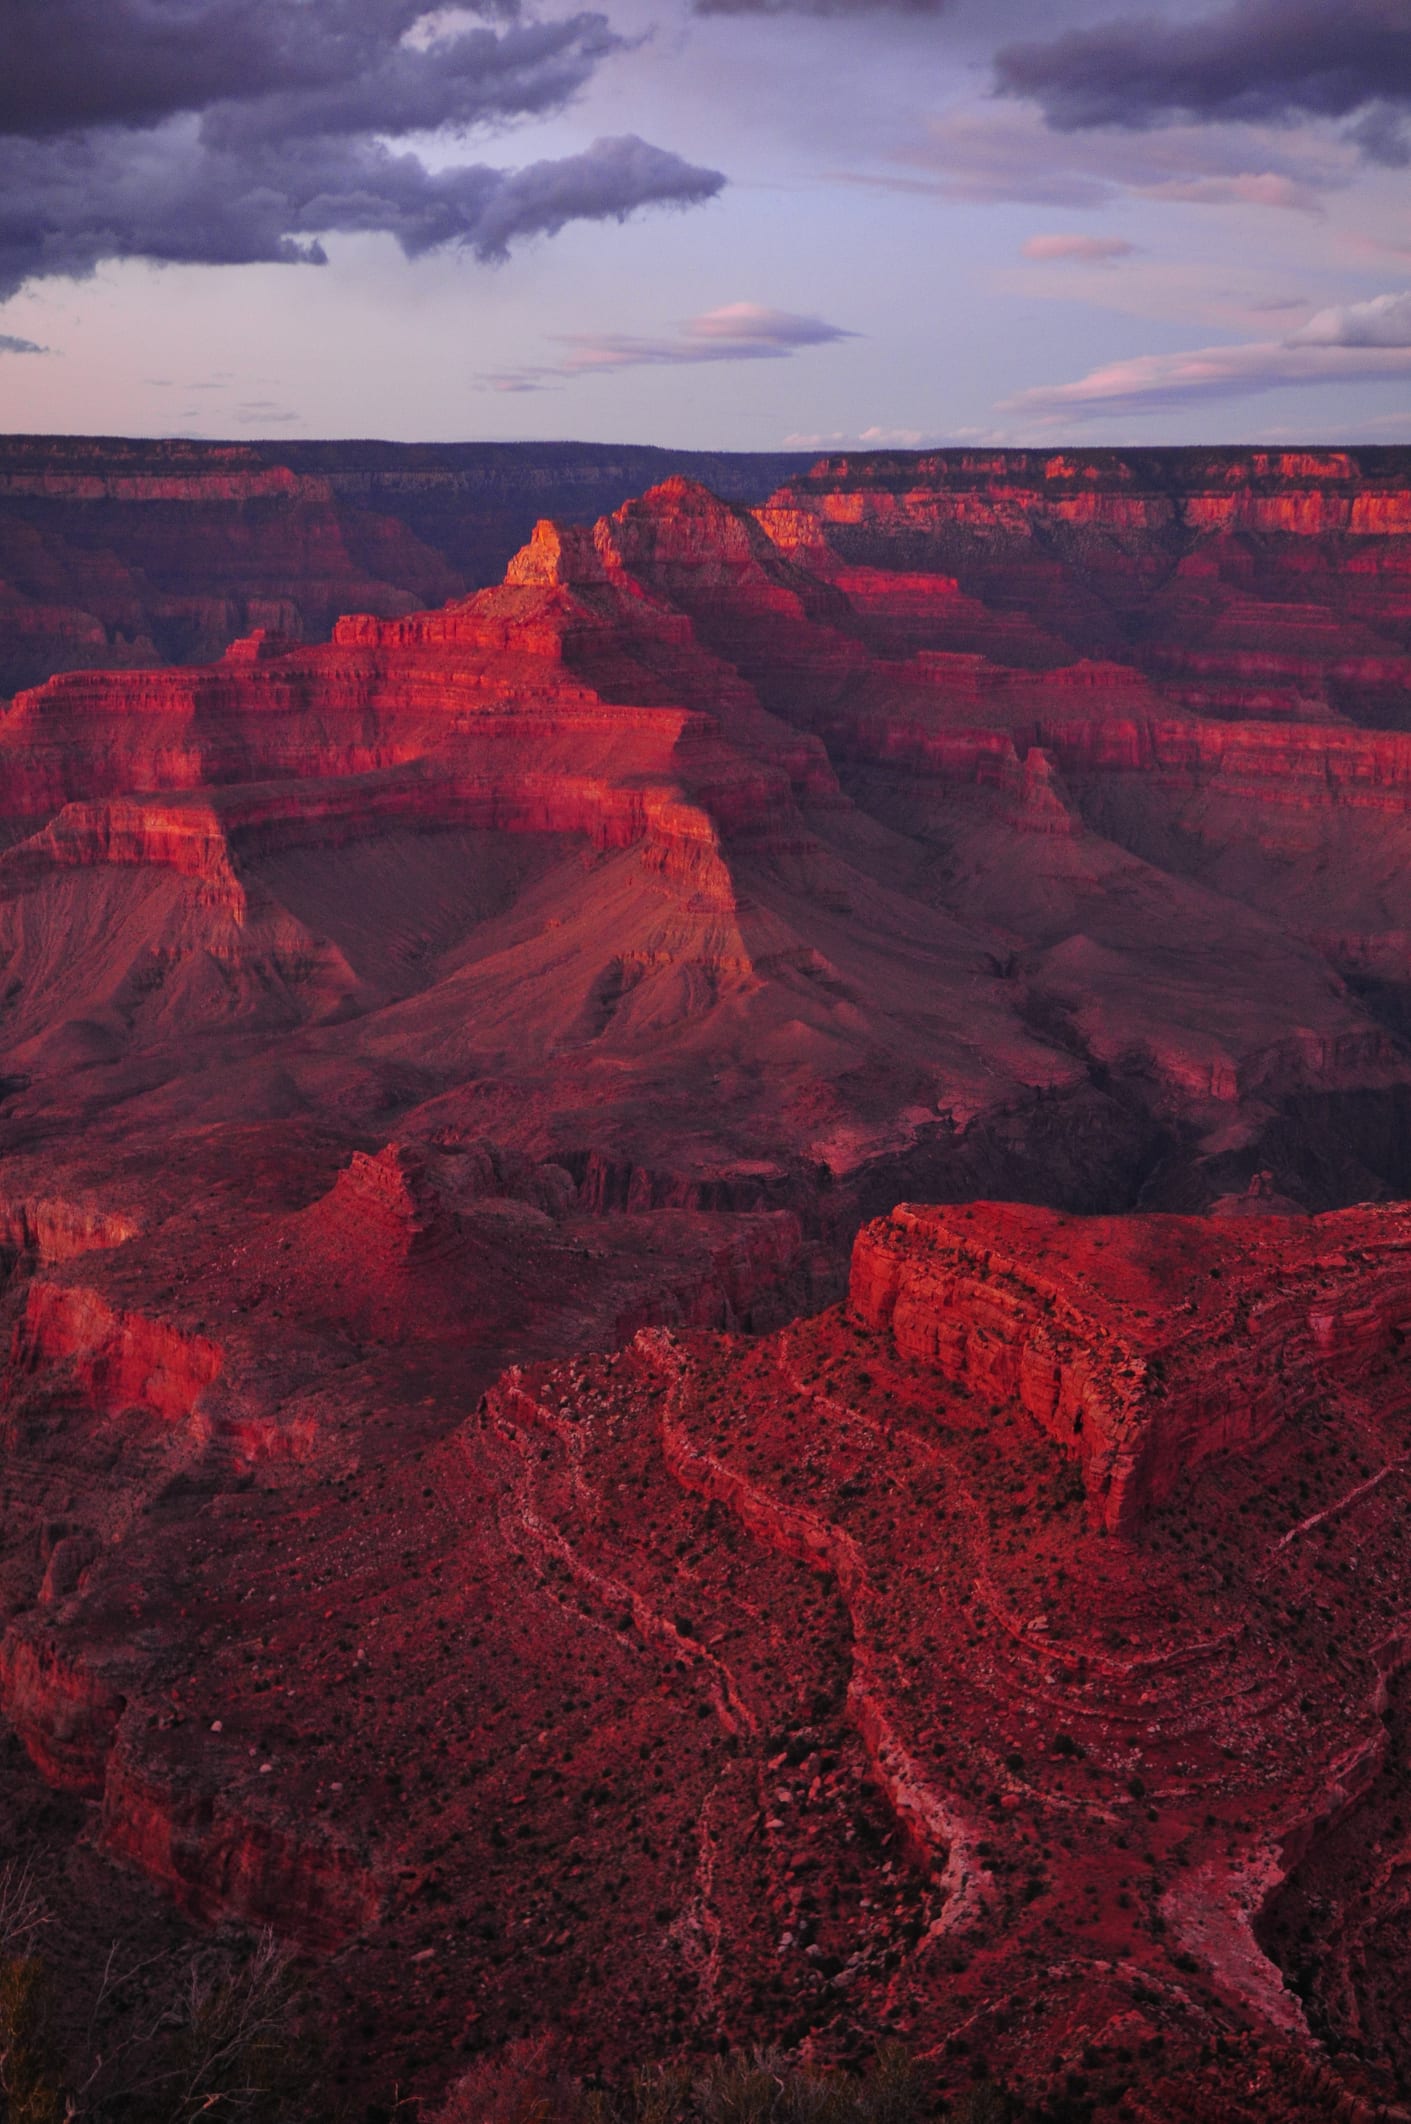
<point x="1074" y="1321"/>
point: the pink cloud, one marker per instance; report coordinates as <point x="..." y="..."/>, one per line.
<point x="737" y="331"/>
<point x="1082" y="250"/>
<point x="1150" y="381"/>
<point x="992" y="152"/>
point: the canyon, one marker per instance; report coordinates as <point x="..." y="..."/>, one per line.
<point x="704" y="1251"/>
<point x="126" y="553"/>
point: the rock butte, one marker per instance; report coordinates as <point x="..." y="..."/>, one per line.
<point x="466" y="1352"/>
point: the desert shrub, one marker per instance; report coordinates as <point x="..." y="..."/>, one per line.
<point x="29" y="2070"/>
<point x="519" y="2085"/>
<point x="225" y="2048"/>
<point x="30" y="2077"/>
<point x="169" y="2041"/>
<point x="747" y="2087"/>
<point x="987" y="2103"/>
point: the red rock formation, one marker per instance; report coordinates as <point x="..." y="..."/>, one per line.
<point x="122" y="1360"/>
<point x="1239" y="580"/>
<point x="678" y="689"/>
<point x="1105" y="1755"/>
<point x="64" y="1711"/>
<point x="191" y="559"/>
<point x="37" y="1232"/>
<point x="926" y="1680"/>
<point x="1109" y="1333"/>
<point x="117" y="554"/>
<point x="219" y="1864"/>
<point x="503" y="1001"/>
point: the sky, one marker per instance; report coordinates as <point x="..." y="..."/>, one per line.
<point x="714" y="224"/>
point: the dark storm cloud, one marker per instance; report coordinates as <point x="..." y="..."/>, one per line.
<point x="861" y="8"/>
<point x="172" y="196"/>
<point x="226" y="132"/>
<point x="76" y="63"/>
<point x="1254" y="60"/>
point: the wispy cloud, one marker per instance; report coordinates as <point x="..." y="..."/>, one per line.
<point x="10" y="345"/>
<point x="993" y="152"/>
<point x="1368" y="342"/>
<point x="263" y="412"/>
<point x="877" y="438"/>
<point x="1265" y="188"/>
<point x="738" y="331"/>
<point x="751" y="324"/>
<point x="1380" y="425"/>
<point x="1078" y="250"/>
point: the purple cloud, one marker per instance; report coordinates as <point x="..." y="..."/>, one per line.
<point x="1077" y="250"/>
<point x="229" y="131"/>
<point x="67" y="204"/>
<point x="338" y="65"/>
<point x="1260" y="60"/>
<point x="1368" y="342"/>
<point x="862" y="8"/>
<point x="772" y="332"/>
<point x="739" y="331"/>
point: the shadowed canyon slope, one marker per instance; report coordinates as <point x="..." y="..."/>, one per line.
<point x="445" y="1069"/>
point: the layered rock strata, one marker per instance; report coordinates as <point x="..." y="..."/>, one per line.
<point x="1143" y="1347"/>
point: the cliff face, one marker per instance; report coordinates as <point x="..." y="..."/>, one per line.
<point x="1124" y="1337"/>
<point x="1098" y="1719"/>
<point x="1033" y="1620"/>
<point x="109" y="566"/>
<point x="1256" y="583"/>
<point x="1244" y="581"/>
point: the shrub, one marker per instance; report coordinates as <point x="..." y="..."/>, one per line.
<point x="521" y="2086"/>
<point x="29" y="2075"/>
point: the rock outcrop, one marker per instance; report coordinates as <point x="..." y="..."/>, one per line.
<point x="1244" y="582"/>
<point x="1125" y="1337"/>
<point x="1104" y="1727"/>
